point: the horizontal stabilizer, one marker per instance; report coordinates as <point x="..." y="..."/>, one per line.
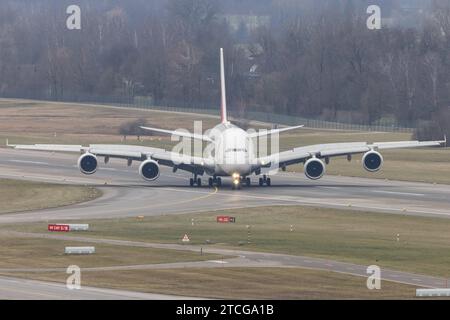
<point x="262" y="133"/>
<point x="180" y="134"/>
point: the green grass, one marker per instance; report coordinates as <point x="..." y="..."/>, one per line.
<point x="17" y="252"/>
<point x="18" y="195"/>
<point x="240" y="283"/>
<point x="351" y="236"/>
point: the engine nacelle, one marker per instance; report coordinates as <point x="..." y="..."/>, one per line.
<point x="149" y="170"/>
<point x="314" y="169"/>
<point x="88" y="163"/>
<point x="372" y="161"/>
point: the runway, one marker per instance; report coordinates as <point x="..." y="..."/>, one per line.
<point x="127" y="195"/>
<point x="22" y="289"/>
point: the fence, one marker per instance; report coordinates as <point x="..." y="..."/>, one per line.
<point x="273" y="118"/>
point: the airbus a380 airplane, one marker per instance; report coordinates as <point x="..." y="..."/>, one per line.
<point x="234" y="153"/>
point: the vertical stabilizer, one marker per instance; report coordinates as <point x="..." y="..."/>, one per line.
<point x="223" y="105"/>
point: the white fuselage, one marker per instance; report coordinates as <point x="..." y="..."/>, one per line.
<point x="233" y="150"/>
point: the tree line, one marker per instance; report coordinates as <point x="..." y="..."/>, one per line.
<point x="309" y="58"/>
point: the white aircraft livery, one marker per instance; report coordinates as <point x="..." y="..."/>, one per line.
<point x="234" y="153"/>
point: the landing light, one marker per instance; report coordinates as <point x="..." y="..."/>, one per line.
<point x="236" y="175"/>
<point x="236" y="181"/>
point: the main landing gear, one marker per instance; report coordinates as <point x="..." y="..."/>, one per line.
<point x="236" y="183"/>
<point x="215" y="181"/>
<point x="264" y="181"/>
<point x="195" y="181"/>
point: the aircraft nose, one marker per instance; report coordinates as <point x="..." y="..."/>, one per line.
<point x="242" y="169"/>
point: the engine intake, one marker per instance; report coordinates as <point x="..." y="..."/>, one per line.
<point x="149" y="170"/>
<point x="314" y="169"/>
<point x="88" y="163"/>
<point x="372" y="161"/>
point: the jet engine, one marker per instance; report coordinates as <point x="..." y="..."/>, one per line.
<point x="88" y="163"/>
<point x="314" y="169"/>
<point x="149" y="170"/>
<point x="372" y="161"/>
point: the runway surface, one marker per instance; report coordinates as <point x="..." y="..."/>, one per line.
<point x="126" y="194"/>
<point x="22" y="289"/>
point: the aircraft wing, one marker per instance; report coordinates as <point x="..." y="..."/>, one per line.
<point x="301" y="154"/>
<point x="129" y="152"/>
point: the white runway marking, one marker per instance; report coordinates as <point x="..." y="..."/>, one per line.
<point x="57" y="179"/>
<point x="29" y="162"/>
<point x="399" y="193"/>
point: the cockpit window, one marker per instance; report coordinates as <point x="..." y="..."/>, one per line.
<point x="236" y="150"/>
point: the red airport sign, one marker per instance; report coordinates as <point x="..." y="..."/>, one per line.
<point x="59" y="227"/>
<point x="226" y="219"/>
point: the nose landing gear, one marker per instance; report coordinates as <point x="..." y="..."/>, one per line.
<point x="237" y="183"/>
